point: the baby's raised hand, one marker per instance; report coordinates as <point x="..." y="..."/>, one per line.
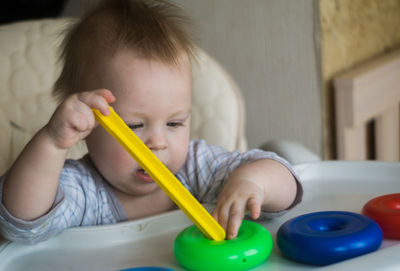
<point x="237" y="196"/>
<point x="73" y="119"/>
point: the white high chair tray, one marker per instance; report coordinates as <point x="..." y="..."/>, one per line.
<point x="342" y="186"/>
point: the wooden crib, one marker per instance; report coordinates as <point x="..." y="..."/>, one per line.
<point x="367" y="102"/>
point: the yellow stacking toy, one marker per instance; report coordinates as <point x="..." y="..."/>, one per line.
<point x="161" y="175"/>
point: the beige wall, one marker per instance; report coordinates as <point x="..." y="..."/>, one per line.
<point x="353" y="31"/>
<point x="268" y="47"/>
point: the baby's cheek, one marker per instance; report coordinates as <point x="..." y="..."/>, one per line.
<point x="119" y="160"/>
<point x="125" y="161"/>
<point x="178" y="158"/>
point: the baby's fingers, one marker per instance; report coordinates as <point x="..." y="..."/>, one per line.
<point x="221" y="213"/>
<point x="254" y="207"/>
<point x="98" y="99"/>
<point x="236" y="215"/>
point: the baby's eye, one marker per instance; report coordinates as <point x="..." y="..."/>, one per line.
<point x="135" y="126"/>
<point x="174" y="124"/>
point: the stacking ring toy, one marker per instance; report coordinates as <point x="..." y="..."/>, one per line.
<point x="251" y="248"/>
<point x="385" y="210"/>
<point x="327" y="237"/>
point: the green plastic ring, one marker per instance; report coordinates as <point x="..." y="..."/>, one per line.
<point x="251" y="248"/>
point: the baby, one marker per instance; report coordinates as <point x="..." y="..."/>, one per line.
<point x="135" y="55"/>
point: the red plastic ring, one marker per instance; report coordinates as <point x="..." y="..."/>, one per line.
<point x="385" y="210"/>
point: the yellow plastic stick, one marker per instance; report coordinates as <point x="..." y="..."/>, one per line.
<point x="161" y="175"/>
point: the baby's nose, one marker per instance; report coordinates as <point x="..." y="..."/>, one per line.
<point x="156" y="141"/>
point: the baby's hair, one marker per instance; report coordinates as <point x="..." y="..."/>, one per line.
<point x="153" y="29"/>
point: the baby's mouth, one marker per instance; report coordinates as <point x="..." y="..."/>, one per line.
<point x="143" y="176"/>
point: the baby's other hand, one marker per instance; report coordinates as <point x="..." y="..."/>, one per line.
<point x="237" y="196"/>
<point x="73" y="119"/>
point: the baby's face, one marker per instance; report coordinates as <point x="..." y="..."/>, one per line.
<point x="154" y="99"/>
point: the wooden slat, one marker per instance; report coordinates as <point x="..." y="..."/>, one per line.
<point x="370" y="91"/>
<point x="387" y="135"/>
<point x="371" y="88"/>
<point x="351" y="141"/>
<point x="355" y="143"/>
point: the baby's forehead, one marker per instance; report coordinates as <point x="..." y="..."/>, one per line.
<point x="181" y="57"/>
<point x="177" y="105"/>
<point x="106" y="67"/>
<point x="104" y="60"/>
<point x="127" y="72"/>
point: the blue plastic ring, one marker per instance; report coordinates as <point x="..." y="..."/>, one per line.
<point x="323" y="238"/>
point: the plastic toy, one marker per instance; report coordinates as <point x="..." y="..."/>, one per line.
<point x="322" y="238"/>
<point x="385" y="210"/>
<point x="161" y="174"/>
<point x="251" y="248"/>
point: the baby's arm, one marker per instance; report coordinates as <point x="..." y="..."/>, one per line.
<point x="31" y="183"/>
<point x="263" y="184"/>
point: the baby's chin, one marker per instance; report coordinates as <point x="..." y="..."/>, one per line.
<point x="141" y="189"/>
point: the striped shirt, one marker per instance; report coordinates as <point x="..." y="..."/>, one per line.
<point x="84" y="197"/>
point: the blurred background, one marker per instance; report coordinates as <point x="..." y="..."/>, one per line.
<point x="284" y="55"/>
